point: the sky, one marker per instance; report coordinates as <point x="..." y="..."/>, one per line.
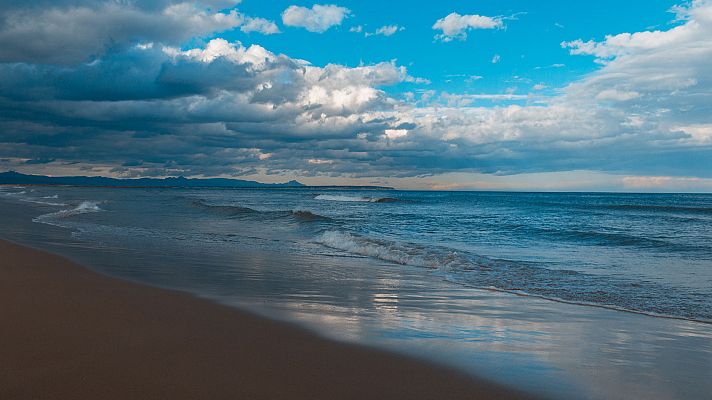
<point x="447" y="95"/>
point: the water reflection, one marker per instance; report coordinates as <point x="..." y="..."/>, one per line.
<point x="561" y="350"/>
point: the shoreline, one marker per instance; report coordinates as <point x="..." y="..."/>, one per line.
<point x="70" y="332"/>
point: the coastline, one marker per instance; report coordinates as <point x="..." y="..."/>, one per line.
<point x="72" y="333"/>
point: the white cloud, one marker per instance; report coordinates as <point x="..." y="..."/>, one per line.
<point x="261" y="25"/>
<point x="467" y="100"/>
<point x="318" y="19"/>
<point x="455" y="26"/>
<point x="387" y="30"/>
<point x="667" y="183"/>
<point x="617" y="95"/>
<point x="558" y="65"/>
<point x="627" y="43"/>
<point x="256" y="56"/>
<point x="418" y="80"/>
<point x="701" y="133"/>
<point x="318" y="161"/>
<point x="395" y="133"/>
<point x="496" y="58"/>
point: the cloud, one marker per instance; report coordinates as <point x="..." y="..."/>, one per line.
<point x="317" y="19"/>
<point x="617" y="95"/>
<point x="473" y="78"/>
<point x="395" y="133"/>
<point x="316" y="161"/>
<point x="70" y="32"/>
<point x="666" y="183"/>
<point x="496" y="58"/>
<point x="151" y="106"/>
<point x="208" y="110"/>
<point x="261" y="25"/>
<point x="455" y="26"/>
<point x="700" y="133"/>
<point x="386" y="30"/>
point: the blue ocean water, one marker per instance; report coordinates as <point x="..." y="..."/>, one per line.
<point x="451" y="275"/>
<point x="647" y="253"/>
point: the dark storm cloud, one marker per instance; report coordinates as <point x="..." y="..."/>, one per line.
<point x="69" y="32"/>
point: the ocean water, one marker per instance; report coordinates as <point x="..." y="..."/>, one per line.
<point x="513" y="280"/>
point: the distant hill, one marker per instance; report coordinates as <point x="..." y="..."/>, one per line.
<point x="16" y="178"/>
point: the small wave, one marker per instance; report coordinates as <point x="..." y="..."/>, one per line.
<point x="659" y="208"/>
<point x="48" y="203"/>
<point x="528" y="279"/>
<point x="42" y="200"/>
<point x="239" y="211"/>
<point x="328" y="197"/>
<point x="309" y="216"/>
<point x="361" y="246"/>
<point x="83" y="208"/>
<point x="228" y="211"/>
<point x="404" y="254"/>
<point x="608" y="238"/>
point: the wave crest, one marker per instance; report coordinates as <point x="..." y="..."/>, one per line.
<point x="228" y="211"/>
<point x="309" y="216"/>
<point x="399" y="253"/>
<point x="363" y="199"/>
<point x="47" y="203"/>
<point x="233" y="211"/>
<point x="83" y="208"/>
<point x="523" y="278"/>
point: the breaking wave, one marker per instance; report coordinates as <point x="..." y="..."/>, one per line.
<point x="83" y="208"/>
<point x="399" y="253"/>
<point x="523" y="278"/>
<point x="21" y="196"/>
<point x="48" y="203"/>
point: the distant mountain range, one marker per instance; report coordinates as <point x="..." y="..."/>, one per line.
<point x="16" y="178"/>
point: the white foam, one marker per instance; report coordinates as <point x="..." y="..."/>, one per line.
<point x="399" y="252"/>
<point x="83" y="208"/>
<point x="49" y="203"/>
<point x="365" y="247"/>
<point x="329" y="197"/>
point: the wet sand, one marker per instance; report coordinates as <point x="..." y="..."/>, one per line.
<point x="68" y="332"/>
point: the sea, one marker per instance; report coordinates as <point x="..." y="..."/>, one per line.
<point x="565" y="295"/>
